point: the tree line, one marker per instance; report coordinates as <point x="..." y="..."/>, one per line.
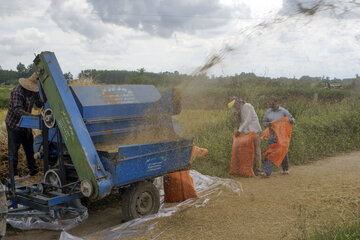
<point x="9" y="77"/>
<point x="167" y="79"/>
<point x="141" y="76"/>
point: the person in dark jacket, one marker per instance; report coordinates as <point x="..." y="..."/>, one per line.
<point x="22" y="99"/>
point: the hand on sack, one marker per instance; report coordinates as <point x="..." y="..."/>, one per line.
<point x="237" y="133"/>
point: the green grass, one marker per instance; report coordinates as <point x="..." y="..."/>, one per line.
<point x="211" y="129"/>
<point x="4" y="101"/>
<point x="5" y="96"/>
<point x="336" y="231"/>
<point x="2" y="115"/>
<point x="331" y="129"/>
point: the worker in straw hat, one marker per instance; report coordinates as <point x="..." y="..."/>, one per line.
<point x="249" y="122"/>
<point x="22" y="99"/>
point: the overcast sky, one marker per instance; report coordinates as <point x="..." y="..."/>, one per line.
<point x="270" y="37"/>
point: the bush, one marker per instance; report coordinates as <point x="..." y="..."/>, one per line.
<point x="333" y="129"/>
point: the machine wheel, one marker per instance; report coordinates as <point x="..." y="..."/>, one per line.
<point x="139" y="200"/>
<point x="52" y="177"/>
<point x="49" y="119"/>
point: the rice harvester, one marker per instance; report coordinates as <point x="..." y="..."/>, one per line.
<point x="98" y="139"/>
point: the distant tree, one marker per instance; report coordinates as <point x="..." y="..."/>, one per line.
<point x="8" y="77"/>
<point x="139" y="78"/>
<point x="21" y="69"/>
<point x="68" y="77"/>
<point x="141" y="71"/>
<point x="88" y="73"/>
<point x="30" y="69"/>
<point x="1" y="68"/>
<point x="305" y="79"/>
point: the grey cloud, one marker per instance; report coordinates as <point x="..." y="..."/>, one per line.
<point x="78" y="19"/>
<point x="21" y="8"/>
<point x="164" y="17"/>
<point x="9" y="8"/>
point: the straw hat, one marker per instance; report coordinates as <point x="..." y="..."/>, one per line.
<point x="30" y="83"/>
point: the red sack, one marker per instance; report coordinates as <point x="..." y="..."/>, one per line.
<point x="179" y="186"/>
<point x="242" y="156"/>
<point x="276" y="152"/>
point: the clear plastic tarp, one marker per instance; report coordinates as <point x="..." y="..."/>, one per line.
<point x="33" y="219"/>
<point x="207" y="188"/>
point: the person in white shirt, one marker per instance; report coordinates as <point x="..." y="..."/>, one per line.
<point x="249" y="122"/>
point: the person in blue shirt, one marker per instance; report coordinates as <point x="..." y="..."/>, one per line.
<point x="275" y="112"/>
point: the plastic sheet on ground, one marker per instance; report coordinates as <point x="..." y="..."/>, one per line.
<point x="74" y="216"/>
<point x="207" y="188"/>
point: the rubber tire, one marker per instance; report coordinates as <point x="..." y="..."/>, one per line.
<point x="132" y="196"/>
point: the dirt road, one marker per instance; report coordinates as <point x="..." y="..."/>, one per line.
<point x="279" y="207"/>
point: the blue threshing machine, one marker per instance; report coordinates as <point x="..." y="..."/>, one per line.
<point x="97" y="139"/>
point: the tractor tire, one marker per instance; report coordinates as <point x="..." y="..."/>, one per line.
<point x="139" y="200"/>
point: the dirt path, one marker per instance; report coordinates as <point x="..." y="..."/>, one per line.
<point x="279" y="207"/>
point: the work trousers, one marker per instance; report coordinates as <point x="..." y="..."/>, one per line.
<point x="257" y="152"/>
<point x="268" y="165"/>
<point x="24" y="137"/>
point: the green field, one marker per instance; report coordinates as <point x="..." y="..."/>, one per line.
<point x="320" y="131"/>
<point x="5" y="95"/>
<point x="327" y="121"/>
<point x="4" y="101"/>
